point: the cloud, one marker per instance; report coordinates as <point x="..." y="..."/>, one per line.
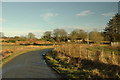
<point x="2" y="20"/>
<point x="48" y="16"/>
<point x="85" y="13"/>
<point x="86" y="28"/>
<point x="108" y="14"/>
<point x="38" y="33"/>
<point x="70" y="28"/>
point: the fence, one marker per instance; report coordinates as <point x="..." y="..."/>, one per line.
<point x="81" y="52"/>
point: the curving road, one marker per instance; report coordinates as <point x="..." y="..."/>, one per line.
<point x="28" y="65"/>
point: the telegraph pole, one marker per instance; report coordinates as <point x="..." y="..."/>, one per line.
<point x="88" y="38"/>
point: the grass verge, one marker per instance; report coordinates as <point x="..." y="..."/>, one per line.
<point x="86" y="70"/>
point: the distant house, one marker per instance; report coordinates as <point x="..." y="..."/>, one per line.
<point x="115" y="43"/>
<point x="77" y="40"/>
<point x="68" y="40"/>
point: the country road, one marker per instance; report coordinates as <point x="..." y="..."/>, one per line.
<point x="28" y="65"/>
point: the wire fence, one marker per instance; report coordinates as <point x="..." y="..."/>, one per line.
<point x="82" y="52"/>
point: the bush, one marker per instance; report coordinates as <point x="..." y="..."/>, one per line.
<point x="51" y="40"/>
<point x="13" y="41"/>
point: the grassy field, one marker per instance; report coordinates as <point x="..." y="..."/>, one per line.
<point x="85" y="61"/>
<point x="107" y="49"/>
<point x="4" y="47"/>
<point x="91" y="52"/>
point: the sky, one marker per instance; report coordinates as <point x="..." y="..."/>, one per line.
<point x="60" y="0"/>
<point x="20" y="18"/>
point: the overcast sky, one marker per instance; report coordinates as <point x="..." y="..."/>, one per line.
<point x="20" y="18"/>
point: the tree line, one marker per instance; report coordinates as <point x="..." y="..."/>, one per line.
<point x="111" y="33"/>
<point x="60" y="35"/>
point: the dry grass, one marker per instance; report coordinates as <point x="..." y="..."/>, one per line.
<point x="83" y="52"/>
<point x="66" y="60"/>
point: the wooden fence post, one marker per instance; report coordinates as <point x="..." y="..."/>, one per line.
<point x="98" y="55"/>
<point x="80" y="52"/>
<point x="113" y="58"/>
<point x="101" y="55"/>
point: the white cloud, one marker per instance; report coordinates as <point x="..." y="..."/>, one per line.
<point x="48" y="16"/>
<point x="84" y="27"/>
<point x="108" y="14"/>
<point x="85" y="13"/>
<point x="2" y="20"/>
<point x="38" y="33"/>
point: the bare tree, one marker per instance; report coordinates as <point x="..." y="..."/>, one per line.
<point x="31" y="36"/>
<point x="96" y="36"/>
<point x="59" y="34"/>
<point x="1" y="35"/>
<point x="47" y="35"/>
<point x="78" y="33"/>
<point x="73" y="35"/>
<point x="82" y="34"/>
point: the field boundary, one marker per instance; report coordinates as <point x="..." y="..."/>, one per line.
<point x="85" y="70"/>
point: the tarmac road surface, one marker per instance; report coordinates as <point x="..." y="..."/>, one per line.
<point x="28" y="65"/>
